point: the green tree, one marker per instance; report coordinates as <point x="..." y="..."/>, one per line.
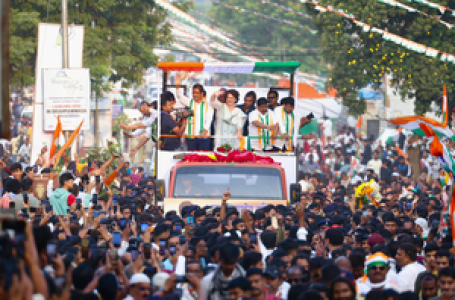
<point x="360" y="58"/>
<point x="275" y="40"/>
<point x="118" y="43"/>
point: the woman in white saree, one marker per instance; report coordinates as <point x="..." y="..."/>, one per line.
<point x="229" y="120"/>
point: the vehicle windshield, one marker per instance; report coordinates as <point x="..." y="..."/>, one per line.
<point x="211" y="182"/>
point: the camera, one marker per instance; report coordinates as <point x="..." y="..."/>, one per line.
<point x="310" y="116"/>
<point x="183" y="113"/>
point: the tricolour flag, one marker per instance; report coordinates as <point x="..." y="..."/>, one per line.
<point x="58" y="140"/>
<point x="412" y="123"/>
<point x="445" y="107"/>
<point x="442" y="152"/>
<point x="67" y="144"/>
<point x="359" y="122"/>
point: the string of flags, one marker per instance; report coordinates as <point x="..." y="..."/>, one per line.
<point x="186" y="18"/>
<point x="441" y="8"/>
<point x="242" y="10"/>
<point x="408" y="44"/>
<point x="287" y="9"/>
<point x="213" y="21"/>
<point x="414" y="10"/>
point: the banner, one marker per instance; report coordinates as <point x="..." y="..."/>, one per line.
<point x="49" y="56"/>
<point x="66" y="93"/>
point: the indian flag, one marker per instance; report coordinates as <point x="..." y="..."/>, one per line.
<point x="442" y="152"/>
<point x="393" y="138"/>
<point x="412" y="123"/>
<point x="445" y="107"/>
<point x="58" y="140"/>
<point x="437" y="149"/>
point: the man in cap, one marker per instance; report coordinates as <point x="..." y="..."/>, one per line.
<point x="375" y="278"/>
<point x="140" y="287"/>
<point x="258" y="283"/>
<point x="278" y="286"/>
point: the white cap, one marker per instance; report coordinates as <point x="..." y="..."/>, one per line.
<point x="139" y="278"/>
<point x="424" y="225"/>
<point x="159" y="279"/>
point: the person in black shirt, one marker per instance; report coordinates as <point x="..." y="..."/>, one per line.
<point x="247" y="107"/>
<point x="169" y="126"/>
<point x="272" y="98"/>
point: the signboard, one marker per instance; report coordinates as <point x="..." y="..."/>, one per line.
<point x="66" y="93"/>
<point x="49" y="56"/>
<point x="117" y="109"/>
<point x="252" y="205"/>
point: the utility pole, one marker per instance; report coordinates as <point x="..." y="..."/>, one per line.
<point x="65" y="45"/>
<point x="65" y="33"/>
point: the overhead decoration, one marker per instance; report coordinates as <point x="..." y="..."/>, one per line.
<point x="230" y="67"/>
<point x="184" y="17"/>
<point x="441" y="8"/>
<point x="415" y="10"/>
<point x="419" y="48"/>
<point x="287" y="9"/>
<point x="242" y="10"/>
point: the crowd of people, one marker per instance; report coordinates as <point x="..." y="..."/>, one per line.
<point x="101" y="235"/>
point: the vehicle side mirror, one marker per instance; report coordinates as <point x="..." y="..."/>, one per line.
<point x="160" y="189"/>
<point x="294" y="192"/>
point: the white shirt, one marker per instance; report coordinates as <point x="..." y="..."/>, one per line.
<point x="147" y="121"/>
<point x="408" y="275"/>
<point x="365" y="286"/>
<point x="194" y="123"/>
<point x="315" y="156"/>
<point x="285" y="121"/>
<point x="255" y="115"/>
<point x="24" y="150"/>
<point x="375" y="165"/>
<point x="283" y="290"/>
<point x="327" y="125"/>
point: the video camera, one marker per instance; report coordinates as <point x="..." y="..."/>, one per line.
<point x="183" y="113"/>
<point x="310" y="116"/>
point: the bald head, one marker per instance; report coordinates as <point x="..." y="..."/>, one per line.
<point x="343" y="263"/>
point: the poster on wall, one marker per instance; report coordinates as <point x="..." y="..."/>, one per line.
<point x="66" y="93"/>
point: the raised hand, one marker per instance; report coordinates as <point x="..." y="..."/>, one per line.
<point x="226" y="195"/>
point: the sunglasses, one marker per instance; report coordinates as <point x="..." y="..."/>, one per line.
<point x="270" y="98"/>
<point x="377" y="268"/>
<point x="296" y="280"/>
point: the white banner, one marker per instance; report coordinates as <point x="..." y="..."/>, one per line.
<point x="66" y="93"/>
<point x="49" y="56"/>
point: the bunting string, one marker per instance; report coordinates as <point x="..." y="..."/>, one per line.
<point x="186" y="18"/>
<point x="414" y="10"/>
<point x="439" y="7"/>
<point x="408" y="44"/>
<point x="242" y="10"/>
<point x="286" y="9"/>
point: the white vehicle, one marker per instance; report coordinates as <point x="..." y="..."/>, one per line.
<point x="252" y="184"/>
